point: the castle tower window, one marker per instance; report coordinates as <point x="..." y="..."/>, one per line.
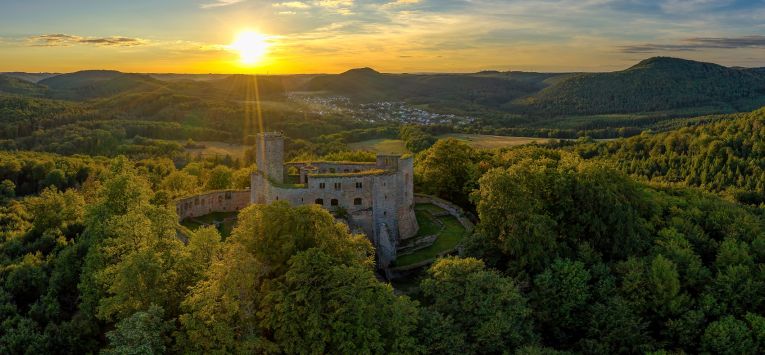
<point x="228" y="195"/>
<point x="321" y="185"/>
<point x="332" y="170"/>
<point x="356" y="201"/>
<point x="337" y="186"/>
<point x="333" y="202"/>
<point x="320" y="201"/>
<point x="356" y="170"/>
<point x="358" y="185"/>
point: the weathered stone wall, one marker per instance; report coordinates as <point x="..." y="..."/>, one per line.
<point x="269" y="155"/>
<point x="213" y="201"/>
<point x="407" y="220"/>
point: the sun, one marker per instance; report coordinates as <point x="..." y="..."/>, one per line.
<point x="252" y="46"/>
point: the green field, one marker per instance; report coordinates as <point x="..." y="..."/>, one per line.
<point x="226" y="220"/>
<point x="382" y="146"/>
<point x="482" y="141"/>
<point x="478" y="141"/>
<point x="221" y="149"/>
<point x="450" y="233"/>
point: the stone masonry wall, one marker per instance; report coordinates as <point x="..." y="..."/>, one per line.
<point x="213" y="201"/>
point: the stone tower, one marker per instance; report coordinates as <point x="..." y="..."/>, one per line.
<point x="269" y="147"/>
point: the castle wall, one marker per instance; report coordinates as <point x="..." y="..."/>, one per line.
<point x="213" y="201"/>
<point x="407" y="221"/>
<point x="381" y="203"/>
<point x="269" y="155"/>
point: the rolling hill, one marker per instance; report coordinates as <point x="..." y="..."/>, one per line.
<point x="668" y="85"/>
<point x="490" y="89"/>
<point x="655" y="84"/>
<point x="90" y="84"/>
<point x="12" y="85"/>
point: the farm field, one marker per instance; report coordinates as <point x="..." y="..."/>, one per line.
<point x="383" y="146"/>
<point x="221" y="149"/>
<point x="482" y="141"/>
<point x="478" y="141"/>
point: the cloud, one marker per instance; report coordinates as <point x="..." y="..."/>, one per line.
<point x="219" y="3"/>
<point x="697" y="43"/>
<point x="65" y="40"/>
<point x="291" y="5"/>
<point x="334" y="3"/>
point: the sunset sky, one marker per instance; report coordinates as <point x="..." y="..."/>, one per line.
<point x="329" y="36"/>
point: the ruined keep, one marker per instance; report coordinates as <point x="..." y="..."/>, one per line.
<point x="375" y="197"/>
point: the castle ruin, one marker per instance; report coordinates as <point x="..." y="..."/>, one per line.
<point x="376" y="197"/>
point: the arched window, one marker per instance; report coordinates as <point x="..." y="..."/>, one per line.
<point x="333" y="202"/>
<point x="357" y="201"/>
<point x="320" y="201"/>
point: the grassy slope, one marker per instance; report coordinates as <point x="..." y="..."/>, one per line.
<point x="448" y="237"/>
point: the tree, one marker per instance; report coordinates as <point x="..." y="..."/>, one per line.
<point x="447" y="170"/>
<point x="221" y="177"/>
<point x="728" y="336"/>
<point x="484" y="305"/>
<point x="560" y="298"/>
<point x="144" y="332"/>
<point x="221" y="314"/>
<point x="179" y="183"/>
<point x="7" y="190"/>
<point x="325" y="307"/>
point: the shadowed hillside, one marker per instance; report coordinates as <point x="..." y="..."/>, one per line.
<point x="12" y="85"/>
<point x="655" y="84"/>
<point x="91" y="84"/>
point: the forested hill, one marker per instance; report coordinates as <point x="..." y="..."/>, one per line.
<point x="12" y="85"/>
<point x="492" y="89"/>
<point x="726" y="155"/>
<point x="655" y="84"/>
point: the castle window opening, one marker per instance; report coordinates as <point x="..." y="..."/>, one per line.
<point x="356" y="170"/>
<point x="332" y="170"/>
<point x="334" y="202"/>
<point x="357" y="201"/>
<point x="337" y="186"/>
<point x="321" y="185"/>
<point x="319" y="201"/>
<point x="358" y="185"/>
<point x="228" y="195"/>
<point x="196" y="202"/>
<point x="345" y="170"/>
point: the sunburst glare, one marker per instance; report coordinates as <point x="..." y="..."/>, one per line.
<point x="252" y="46"/>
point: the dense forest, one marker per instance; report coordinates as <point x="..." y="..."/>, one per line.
<point x="724" y="156"/>
<point x="569" y="255"/>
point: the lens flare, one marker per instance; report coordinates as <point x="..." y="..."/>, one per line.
<point x="251" y="46"/>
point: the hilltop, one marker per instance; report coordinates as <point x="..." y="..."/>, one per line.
<point x="655" y="84"/>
